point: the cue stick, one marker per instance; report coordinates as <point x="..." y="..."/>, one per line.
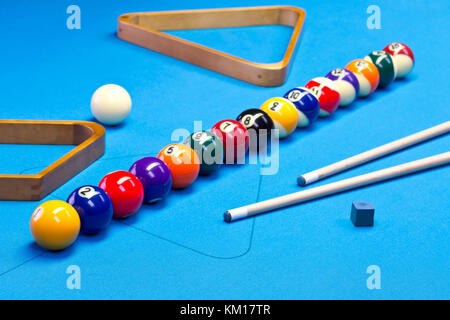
<point x="373" y="154"/>
<point x="337" y="187"/>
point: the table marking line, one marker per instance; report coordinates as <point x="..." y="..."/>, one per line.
<point x="181" y="245"/>
<point x="22" y="264"/>
<point x="198" y="251"/>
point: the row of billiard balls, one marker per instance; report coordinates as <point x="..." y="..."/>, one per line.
<point x="322" y="95"/>
<point x="56" y="224"/>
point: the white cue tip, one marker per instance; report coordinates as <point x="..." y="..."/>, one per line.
<point x="235" y="214"/>
<point x="307" y="178"/>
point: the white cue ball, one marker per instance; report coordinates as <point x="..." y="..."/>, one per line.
<point x="110" y="104"/>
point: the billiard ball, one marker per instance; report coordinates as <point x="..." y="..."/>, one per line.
<point x="307" y="105"/>
<point x="259" y="126"/>
<point x="235" y="139"/>
<point x="385" y="65"/>
<point x="256" y="119"/>
<point x="183" y="163"/>
<point x="155" y="177"/>
<point x="284" y="115"/>
<point x="346" y="84"/>
<point x="125" y="190"/>
<point x="403" y="58"/>
<point x="327" y="94"/>
<point x="110" y="104"/>
<point x="367" y="74"/>
<point x="93" y="206"/>
<point x="209" y="150"/>
<point x="55" y="225"/>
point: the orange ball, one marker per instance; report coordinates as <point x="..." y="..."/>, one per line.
<point x="55" y="225"/>
<point x="183" y="163"/>
<point x="367" y="74"/>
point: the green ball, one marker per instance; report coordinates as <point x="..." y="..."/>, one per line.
<point x="385" y="65"/>
<point x="209" y="149"/>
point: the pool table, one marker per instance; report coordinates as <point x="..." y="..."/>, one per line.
<point x="181" y="248"/>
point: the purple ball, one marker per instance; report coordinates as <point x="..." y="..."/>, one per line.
<point x="346" y="75"/>
<point x="346" y="83"/>
<point x="155" y="177"/>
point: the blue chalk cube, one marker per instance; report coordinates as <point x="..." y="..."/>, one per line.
<point x="362" y="214"/>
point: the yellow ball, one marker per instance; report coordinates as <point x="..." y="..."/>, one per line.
<point x="55" y="225"/>
<point x="283" y="113"/>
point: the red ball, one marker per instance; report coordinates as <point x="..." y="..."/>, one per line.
<point x="403" y="58"/>
<point x="125" y="190"/>
<point x="396" y="48"/>
<point x="326" y="93"/>
<point x="234" y="137"/>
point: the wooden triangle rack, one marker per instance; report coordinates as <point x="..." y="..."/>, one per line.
<point x="89" y="137"/>
<point x="145" y="28"/>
